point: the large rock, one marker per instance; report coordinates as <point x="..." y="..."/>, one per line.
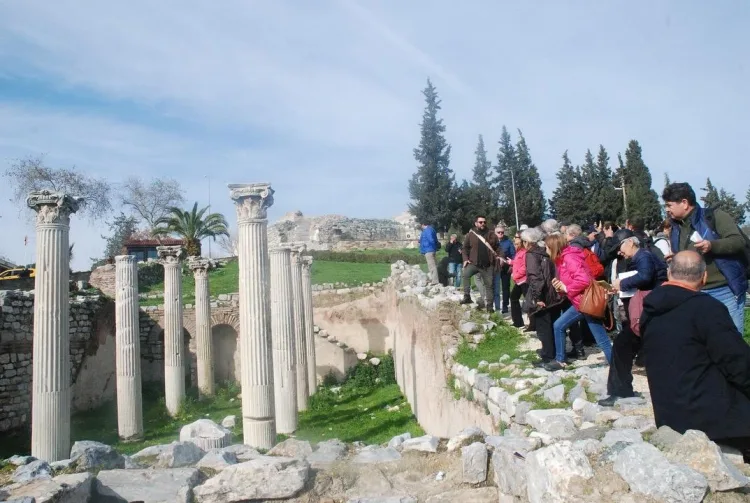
<point x="474" y="462"/>
<point x="695" y="450"/>
<point x="556" y="394"/>
<point x="35" y="470"/>
<point x="73" y="488"/>
<point x="206" y="434"/>
<point x="648" y="471"/>
<point x="640" y="423"/>
<point x="374" y="455"/>
<point x="556" y="470"/>
<point x="180" y="454"/>
<point x="217" y="459"/>
<point x="426" y="443"/>
<point x="327" y="453"/>
<point x="480" y="495"/>
<point x="264" y="478"/>
<point x="148" y="486"/>
<point x="626" y="436"/>
<point x="509" y="467"/>
<point x="466" y="437"/>
<point x="557" y="423"/>
<point x="20" y="460"/>
<point x="291" y="448"/>
<point x="88" y="455"/>
<point x="243" y="452"/>
<point x="396" y="441"/>
<point x="149" y="453"/>
<point x="229" y="422"/>
<point x="665" y="437"/>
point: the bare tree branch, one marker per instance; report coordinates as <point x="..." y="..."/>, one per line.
<point x="229" y="244"/>
<point x="31" y="174"/>
<point x="151" y="201"/>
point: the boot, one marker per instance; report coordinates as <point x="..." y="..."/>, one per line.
<point x="577" y="353"/>
<point x="466" y="299"/>
<point x="490" y="309"/>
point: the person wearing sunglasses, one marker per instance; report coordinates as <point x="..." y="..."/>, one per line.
<point x="479" y="258"/>
<point x="501" y="283"/>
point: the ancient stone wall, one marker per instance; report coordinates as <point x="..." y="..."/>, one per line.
<point x="91" y="327"/>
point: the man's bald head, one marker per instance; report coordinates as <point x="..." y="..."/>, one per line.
<point x="688" y="267"/>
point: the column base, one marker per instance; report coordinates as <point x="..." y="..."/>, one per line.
<point x="174" y="388"/>
<point x="50" y="425"/>
<point x="259" y="433"/>
<point x="135" y="438"/>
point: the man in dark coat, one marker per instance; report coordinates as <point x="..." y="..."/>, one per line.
<point x="697" y="364"/>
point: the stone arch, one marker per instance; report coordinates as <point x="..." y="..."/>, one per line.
<point x="226" y="317"/>
<point x="226" y="354"/>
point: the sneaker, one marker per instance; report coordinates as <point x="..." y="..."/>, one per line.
<point x="466" y="300"/>
<point x="576" y="354"/>
<point x="554" y="365"/>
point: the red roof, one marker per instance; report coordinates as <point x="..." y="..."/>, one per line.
<point x="154" y="242"/>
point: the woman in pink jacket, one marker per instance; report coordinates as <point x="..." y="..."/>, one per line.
<point x="519" y="282"/>
<point x="573" y="277"/>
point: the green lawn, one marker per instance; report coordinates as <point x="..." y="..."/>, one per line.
<point x="503" y="339"/>
<point x="226" y="279"/>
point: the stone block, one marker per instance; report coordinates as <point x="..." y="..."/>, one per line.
<point x="474" y="463"/>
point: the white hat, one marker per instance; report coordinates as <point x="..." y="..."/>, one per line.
<point x="523" y="227"/>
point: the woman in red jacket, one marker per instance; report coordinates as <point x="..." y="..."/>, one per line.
<point x="573" y="277"/>
<point x="519" y="281"/>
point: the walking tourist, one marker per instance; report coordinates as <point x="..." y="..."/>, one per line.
<point x="428" y="246"/>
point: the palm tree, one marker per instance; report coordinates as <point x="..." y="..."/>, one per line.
<point x="192" y="226"/>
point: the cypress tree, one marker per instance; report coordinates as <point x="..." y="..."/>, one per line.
<point x="503" y="180"/>
<point x="719" y="198"/>
<point x="643" y="201"/>
<point x="529" y="195"/>
<point x="568" y="203"/>
<point x="608" y="200"/>
<point x="711" y="198"/>
<point x="432" y="188"/>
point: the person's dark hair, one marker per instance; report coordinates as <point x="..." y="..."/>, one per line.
<point x="687" y="266"/>
<point x="636" y="223"/>
<point x="609" y="224"/>
<point x="479" y="216"/>
<point x="676" y="192"/>
<point x="666" y="226"/>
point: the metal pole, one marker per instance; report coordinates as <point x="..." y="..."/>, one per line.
<point x="209" y="211"/>
<point x="515" y="204"/>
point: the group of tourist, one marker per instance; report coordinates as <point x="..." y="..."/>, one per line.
<point x="675" y="303"/>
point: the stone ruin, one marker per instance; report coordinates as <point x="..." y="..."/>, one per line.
<point x="336" y="232"/>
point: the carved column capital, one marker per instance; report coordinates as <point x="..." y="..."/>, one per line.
<point x="170" y="255"/>
<point x="307" y="261"/>
<point x="252" y="200"/>
<point x="53" y="207"/>
<point x="199" y="266"/>
<point x="125" y="259"/>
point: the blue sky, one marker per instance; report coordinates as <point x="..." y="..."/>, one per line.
<point x="323" y="98"/>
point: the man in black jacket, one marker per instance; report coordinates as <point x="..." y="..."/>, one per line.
<point x="455" y="260"/>
<point x="698" y="365"/>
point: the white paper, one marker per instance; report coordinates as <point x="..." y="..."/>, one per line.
<point x="626" y="294"/>
<point x="695" y="237"/>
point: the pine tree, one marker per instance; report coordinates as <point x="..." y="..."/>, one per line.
<point x="667" y="181"/>
<point x="711" y="199"/>
<point x="529" y="195"/>
<point x="642" y="200"/>
<point x="568" y="203"/>
<point x="432" y="188"/>
<point x="504" y="177"/>
<point x="719" y="198"/>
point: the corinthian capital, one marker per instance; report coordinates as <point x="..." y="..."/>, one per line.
<point x="252" y="200"/>
<point x="199" y="266"/>
<point x="306" y="261"/>
<point x="170" y="255"/>
<point x="53" y="207"/>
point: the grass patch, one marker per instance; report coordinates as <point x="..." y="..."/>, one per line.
<point x="501" y="340"/>
<point x="350" y="273"/>
<point x="539" y="402"/>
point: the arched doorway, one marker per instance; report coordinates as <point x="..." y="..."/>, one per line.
<point x="226" y="354"/>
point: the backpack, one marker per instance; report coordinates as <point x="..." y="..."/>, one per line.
<point x="650" y="245"/>
<point x="592" y="262"/>
<point x="710" y="218"/>
<point x="635" y="310"/>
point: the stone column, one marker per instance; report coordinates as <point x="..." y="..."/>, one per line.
<point x="50" y="407"/>
<point x="307" y="299"/>
<point x="203" y="340"/>
<point x="128" y="349"/>
<point x="174" y="340"/>
<point x="252" y="202"/>
<point x="283" y="336"/>
<point x="303" y="390"/>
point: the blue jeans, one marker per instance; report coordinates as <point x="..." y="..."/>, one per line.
<point x="735" y="304"/>
<point x="454" y="268"/>
<point x="571" y="316"/>
<point x="501" y="285"/>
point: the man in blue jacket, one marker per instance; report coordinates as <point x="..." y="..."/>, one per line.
<point x="428" y="246"/>
<point x="501" y="283"/>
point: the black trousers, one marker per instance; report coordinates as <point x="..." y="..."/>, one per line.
<point x="515" y="304"/>
<point x="544" y="320"/>
<point x="505" y="283"/>
<point x="624" y="348"/>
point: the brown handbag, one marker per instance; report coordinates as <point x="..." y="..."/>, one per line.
<point x="594" y="301"/>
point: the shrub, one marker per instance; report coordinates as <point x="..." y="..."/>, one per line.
<point x="330" y="379"/>
<point x="149" y="274"/>
<point x="387" y="369"/>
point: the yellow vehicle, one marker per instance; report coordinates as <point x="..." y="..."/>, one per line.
<point x="17" y="273"/>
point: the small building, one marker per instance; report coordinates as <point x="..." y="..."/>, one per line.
<point x="145" y="249"/>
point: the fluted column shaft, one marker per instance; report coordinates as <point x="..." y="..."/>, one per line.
<point x="204" y="343"/>
<point x="283" y="337"/>
<point x="307" y="300"/>
<point x="128" y="349"/>
<point x="50" y="408"/>
<point x="303" y="391"/>
<point x="174" y="343"/>
<point x="252" y="201"/>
